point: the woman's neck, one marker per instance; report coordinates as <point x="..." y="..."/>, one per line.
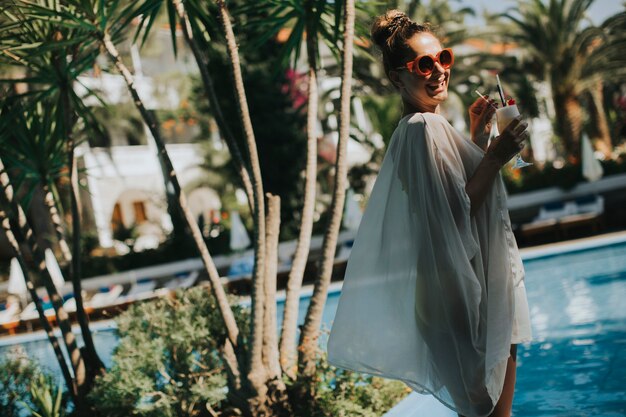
<point x="410" y="108"/>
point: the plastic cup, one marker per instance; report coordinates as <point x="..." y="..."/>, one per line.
<point x="505" y="115"/>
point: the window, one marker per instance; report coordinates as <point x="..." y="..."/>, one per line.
<point x="140" y="212"/>
<point x="116" y="219"/>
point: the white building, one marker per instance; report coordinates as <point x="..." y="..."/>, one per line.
<point x="125" y="182"/>
<point x="126" y="188"/>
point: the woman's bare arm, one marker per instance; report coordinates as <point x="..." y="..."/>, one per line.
<point x="500" y="151"/>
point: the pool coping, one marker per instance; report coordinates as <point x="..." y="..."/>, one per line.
<point x="574" y="245"/>
<point x="39" y="335"/>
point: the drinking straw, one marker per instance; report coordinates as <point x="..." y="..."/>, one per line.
<point x="486" y="99"/>
<point x="500" y="91"/>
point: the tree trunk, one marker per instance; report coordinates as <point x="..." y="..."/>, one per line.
<point x="24" y="235"/>
<point x="270" y="342"/>
<point x="216" y="286"/>
<point x="311" y="328"/>
<point x="207" y="81"/>
<point x="600" y="126"/>
<point x="256" y="371"/>
<point x="58" y="353"/>
<point x="93" y="364"/>
<point x="288" y="354"/>
<point x="57" y="223"/>
<point x="92" y="361"/>
<point x="277" y="391"/>
<point x="569" y="117"/>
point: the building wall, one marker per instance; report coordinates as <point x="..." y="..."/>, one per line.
<point x="130" y="176"/>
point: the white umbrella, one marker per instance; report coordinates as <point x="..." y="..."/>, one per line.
<point x="55" y="271"/>
<point x="592" y="169"/>
<point x="17" y="283"/>
<point x="239" y="238"/>
<point x="352" y="212"/>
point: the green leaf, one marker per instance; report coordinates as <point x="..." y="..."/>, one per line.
<point x="171" y="14"/>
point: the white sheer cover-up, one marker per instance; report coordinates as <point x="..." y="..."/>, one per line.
<point x="432" y="296"/>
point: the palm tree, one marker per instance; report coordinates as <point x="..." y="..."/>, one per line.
<point x="207" y="80"/>
<point x="56" y="347"/>
<point x="103" y="24"/>
<point x="310" y="22"/>
<point x="198" y="26"/>
<point x="608" y="69"/>
<point x="21" y="236"/>
<point x="52" y="60"/>
<point x="257" y="375"/>
<point x="310" y="331"/>
<point x="572" y="57"/>
<point x="37" y="157"/>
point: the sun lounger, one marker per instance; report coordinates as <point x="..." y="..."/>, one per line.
<point x="10" y="317"/>
<point x="241" y="268"/>
<point x="343" y="253"/>
<point x="556" y="210"/>
<point x="10" y="312"/>
<point x="70" y="304"/>
<point x="538" y="227"/>
<point x="559" y="217"/>
<point x="106" y="297"/>
<point x="589" y="210"/>
<point x="140" y="290"/>
<point x="182" y="282"/>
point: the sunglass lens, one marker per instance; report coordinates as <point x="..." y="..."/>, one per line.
<point x="426" y="64"/>
<point x="445" y="57"/>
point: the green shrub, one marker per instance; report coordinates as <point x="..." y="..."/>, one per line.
<point x="343" y="393"/>
<point x="16" y="373"/>
<point x="166" y="363"/>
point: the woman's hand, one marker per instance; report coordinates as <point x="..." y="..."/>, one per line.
<point x="500" y="151"/>
<point x="510" y="142"/>
<point x="481" y="114"/>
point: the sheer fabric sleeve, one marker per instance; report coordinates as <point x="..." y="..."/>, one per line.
<point x="413" y="302"/>
<point x="449" y="295"/>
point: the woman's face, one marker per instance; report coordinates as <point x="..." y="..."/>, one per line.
<point x="424" y="93"/>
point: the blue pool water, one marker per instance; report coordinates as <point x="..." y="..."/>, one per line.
<point x="576" y="364"/>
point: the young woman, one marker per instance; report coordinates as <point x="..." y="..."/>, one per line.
<point x="433" y="293"/>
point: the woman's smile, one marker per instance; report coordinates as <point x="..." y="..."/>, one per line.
<point x="437" y="86"/>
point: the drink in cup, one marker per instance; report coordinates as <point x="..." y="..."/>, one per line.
<point x="504" y="116"/>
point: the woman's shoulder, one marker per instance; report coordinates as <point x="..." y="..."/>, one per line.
<point x="420" y="119"/>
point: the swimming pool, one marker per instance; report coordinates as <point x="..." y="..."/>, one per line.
<point x="576" y="365"/>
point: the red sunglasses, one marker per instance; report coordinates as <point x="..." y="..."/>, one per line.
<point x="425" y="64"/>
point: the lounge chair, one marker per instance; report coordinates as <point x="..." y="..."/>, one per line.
<point x="343" y="252"/>
<point x="10" y="317"/>
<point x="140" y="290"/>
<point x="70" y="304"/>
<point x="589" y="210"/>
<point x="241" y="268"/>
<point x="182" y="282"/>
<point x="29" y="312"/>
<point x="560" y="216"/>
<point x="106" y="297"/>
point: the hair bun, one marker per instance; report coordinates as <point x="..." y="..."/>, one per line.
<point x="386" y="25"/>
